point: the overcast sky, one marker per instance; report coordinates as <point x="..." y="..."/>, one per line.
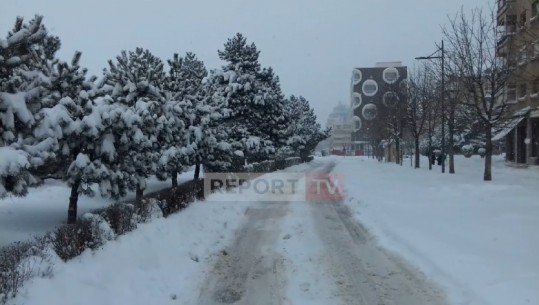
<point x="311" y="44"/>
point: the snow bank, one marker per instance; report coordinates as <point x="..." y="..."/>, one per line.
<point x="162" y="262"/>
<point x="478" y="240"/>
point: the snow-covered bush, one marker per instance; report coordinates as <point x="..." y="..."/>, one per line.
<point x="21" y="261"/>
<point x="482" y="152"/>
<point x="71" y="240"/>
<point x="120" y="216"/>
<point x="148" y="210"/>
<point x="467" y="150"/>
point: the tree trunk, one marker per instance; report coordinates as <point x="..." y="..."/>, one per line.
<point x="397" y="150"/>
<point x="73" y="200"/>
<point x="138" y="194"/>
<point x="174" y="178"/>
<point x="451" y="140"/>
<point x="197" y="171"/>
<point x="417" y="154"/>
<point x="488" y="156"/>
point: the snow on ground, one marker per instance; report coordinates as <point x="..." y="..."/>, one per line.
<point x="478" y="240"/>
<point x="162" y="262"/>
<point x="45" y="207"/>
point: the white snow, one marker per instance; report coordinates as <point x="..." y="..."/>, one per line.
<point x="17" y="102"/>
<point x="154" y="264"/>
<point x="45" y="207"/>
<point x="477" y="239"/>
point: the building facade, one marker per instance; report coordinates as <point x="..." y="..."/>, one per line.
<point x="377" y="99"/>
<point x="341" y="124"/>
<point x="518" y="44"/>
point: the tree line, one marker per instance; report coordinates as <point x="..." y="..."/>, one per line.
<point x="143" y="117"/>
<point x="474" y="104"/>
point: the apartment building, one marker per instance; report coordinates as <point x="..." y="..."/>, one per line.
<point x="377" y="98"/>
<point x="518" y="44"/>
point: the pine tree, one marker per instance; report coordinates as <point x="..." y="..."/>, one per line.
<point x="25" y="59"/>
<point x="183" y="84"/>
<point x="303" y="130"/>
<point x="254" y="98"/>
<point x="136" y="80"/>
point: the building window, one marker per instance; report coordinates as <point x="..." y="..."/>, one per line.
<point x="369" y="112"/>
<point x="535" y="137"/>
<point x="535" y="86"/>
<point x="522" y="90"/>
<point x="522" y="19"/>
<point x="535" y="6"/>
<point x="370" y="87"/>
<point x="511" y="92"/>
<point x="522" y="56"/>
<point x="511" y="23"/>
<point x="357" y="123"/>
<point x="390" y="99"/>
<point x="356" y="76"/>
<point x="390" y="75"/>
<point x="356" y="100"/>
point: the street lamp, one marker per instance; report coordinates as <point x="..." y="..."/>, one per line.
<point x="442" y="57"/>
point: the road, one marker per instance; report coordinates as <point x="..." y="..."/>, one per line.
<point x="311" y="253"/>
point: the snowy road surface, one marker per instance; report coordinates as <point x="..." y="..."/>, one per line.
<point x="474" y="240"/>
<point x="272" y="256"/>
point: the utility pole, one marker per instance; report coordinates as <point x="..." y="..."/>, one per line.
<point x="441" y="50"/>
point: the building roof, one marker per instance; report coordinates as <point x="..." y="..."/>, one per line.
<point x="387" y="64"/>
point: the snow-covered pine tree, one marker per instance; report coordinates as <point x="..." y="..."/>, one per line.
<point x="304" y="131"/>
<point x="25" y="58"/>
<point x="214" y="151"/>
<point x="247" y="92"/>
<point x="183" y="87"/>
<point x="137" y="78"/>
<point x="273" y="126"/>
<point x="80" y="123"/>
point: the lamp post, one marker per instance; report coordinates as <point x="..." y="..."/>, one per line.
<point x="440" y="50"/>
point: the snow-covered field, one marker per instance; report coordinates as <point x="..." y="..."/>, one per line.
<point x="478" y="240"/>
<point x="45" y="207"/>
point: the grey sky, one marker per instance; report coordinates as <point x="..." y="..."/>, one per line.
<point x="312" y="44"/>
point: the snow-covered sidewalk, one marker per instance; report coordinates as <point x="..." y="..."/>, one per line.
<point x="477" y="240"/>
<point x="45" y="207"/>
<point x="165" y="261"/>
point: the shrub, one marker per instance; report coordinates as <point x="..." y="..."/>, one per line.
<point x="482" y="152"/>
<point x="467" y="150"/>
<point x="177" y="198"/>
<point x="90" y="232"/>
<point x="120" y="216"/>
<point x="148" y="210"/>
<point x="19" y="262"/>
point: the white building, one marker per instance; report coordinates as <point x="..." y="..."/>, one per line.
<point x="341" y="124"/>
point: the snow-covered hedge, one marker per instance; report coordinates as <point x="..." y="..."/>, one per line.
<point x="482" y="152"/>
<point x="467" y="150"/>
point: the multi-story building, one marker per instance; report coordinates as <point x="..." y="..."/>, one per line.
<point x="518" y="44"/>
<point x="340" y="121"/>
<point x="377" y="99"/>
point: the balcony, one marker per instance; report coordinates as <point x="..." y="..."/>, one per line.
<point x="504" y="6"/>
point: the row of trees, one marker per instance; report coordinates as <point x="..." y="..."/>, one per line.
<point x="475" y="80"/>
<point x="141" y="118"/>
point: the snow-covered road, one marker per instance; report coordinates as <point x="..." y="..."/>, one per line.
<point x="301" y="252"/>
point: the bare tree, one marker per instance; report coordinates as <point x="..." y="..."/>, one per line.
<point x="419" y="97"/>
<point x="472" y="42"/>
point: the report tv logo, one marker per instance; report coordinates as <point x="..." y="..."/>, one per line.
<point x="277" y="187"/>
